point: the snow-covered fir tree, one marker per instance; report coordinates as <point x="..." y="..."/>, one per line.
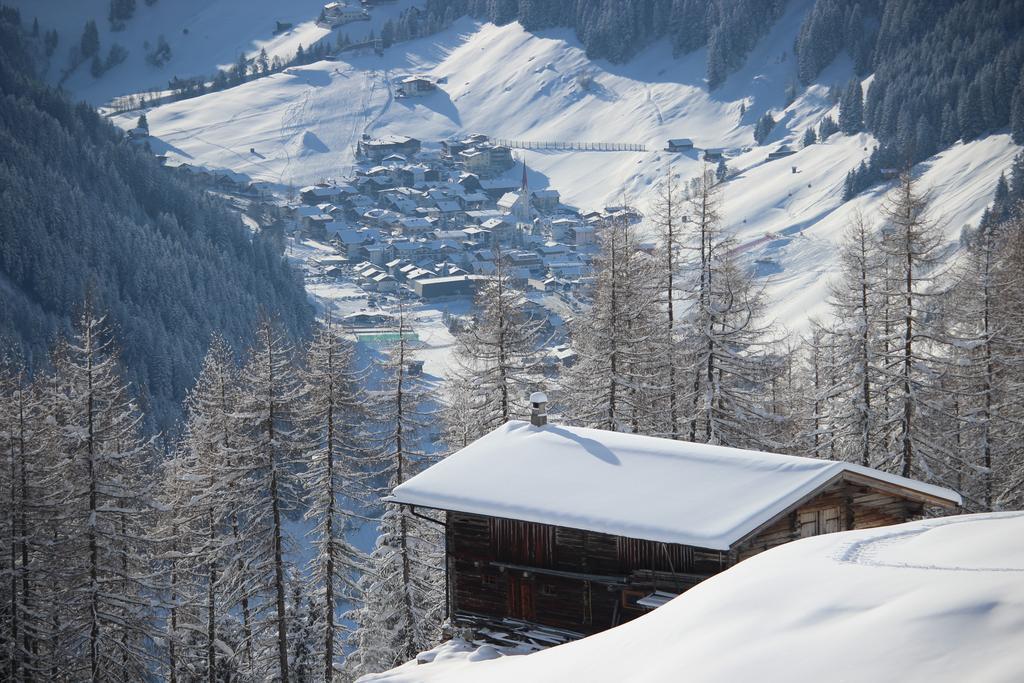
<point x="856" y="416"/>
<point x="725" y="338"/>
<point x="23" y="623"/>
<point x="495" y="360"/>
<point x="402" y="591"/>
<point x="334" y="415"/>
<point x="910" y="243"/>
<point x="264" y="479"/>
<point x="103" y="549"/>
<point x="613" y="383"/>
<point x="205" y="519"/>
<point x="986" y="335"/>
<point x="668" y="218"/>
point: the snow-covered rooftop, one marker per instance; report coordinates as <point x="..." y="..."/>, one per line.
<point x="628" y="484"/>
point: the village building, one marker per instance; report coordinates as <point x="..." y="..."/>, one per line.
<point x="336" y="14"/>
<point x="449" y="286"/>
<point x="782" y="152"/>
<point x="486" y="159"/>
<point x="416" y="86"/>
<point x="450" y="149"/>
<point x="579" y="530"/>
<point x="679" y="145"/>
<point x="378" y="148"/>
<point x="546" y="201"/>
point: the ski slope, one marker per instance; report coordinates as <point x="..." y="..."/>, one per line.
<point x="301" y="126"/>
<point x="933" y="600"/>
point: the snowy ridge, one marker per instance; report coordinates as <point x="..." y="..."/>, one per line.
<point x="935" y="600"/>
<point x="627" y="484"/>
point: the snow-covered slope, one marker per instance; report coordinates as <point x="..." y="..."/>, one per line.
<point x="302" y="126"/>
<point x="935" y="600"/>
<point x="204" y="35"/>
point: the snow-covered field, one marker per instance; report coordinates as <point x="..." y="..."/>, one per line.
<point x="933" y="600"/>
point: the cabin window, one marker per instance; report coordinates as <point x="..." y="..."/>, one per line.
<point x="488" y="580"/>
<point x="821" y="521"/>
<point x="547" y="589"/>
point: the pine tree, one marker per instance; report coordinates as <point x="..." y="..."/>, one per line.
<point x="264" y="477"/>
<point x="1017" y="113"/>
<point x="810" y="138"/>
<point x="610" y="386"/>
<point x="205" y="502"/>
<point x="911" y="243"/>
<point x="851" y="108"/>
<point x="726" y="339"/>
<point x="90" y="44"/>
<point x="764" y="127"/>
<point x="495" y="359"/>
<point x="721" y="171"/>
<point x="106" y="622"/>
<point x="403" y="601"/>
<point x="334" y="412"/>
<point x="827" y="127"/>
<point x="668" y="219"/>
<point x="854" y="301"/>
<point x="22" y="617"/>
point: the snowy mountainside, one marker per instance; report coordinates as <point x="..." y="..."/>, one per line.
<point x="302" y="125"/>
<point x="204" y="35"/>
<point x="935" y="600"/>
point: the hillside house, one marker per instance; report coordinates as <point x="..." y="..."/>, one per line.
<point x="679" y="145"/>
<point x="713" y="155"/>
<point x="581" y="529"/>
<point x="416" y="86"/>
<point x="782" y="152"/>
<point x="336" y="14"/>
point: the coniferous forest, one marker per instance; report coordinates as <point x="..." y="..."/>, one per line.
<point x="81" y="210"/>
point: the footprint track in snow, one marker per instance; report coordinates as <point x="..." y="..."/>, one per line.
<point x="864" y="552"/>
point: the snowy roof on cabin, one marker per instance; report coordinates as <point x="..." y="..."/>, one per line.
<point x="627" y="484"/>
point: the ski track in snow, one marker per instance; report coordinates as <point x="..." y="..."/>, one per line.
<point x="864" y="552"/>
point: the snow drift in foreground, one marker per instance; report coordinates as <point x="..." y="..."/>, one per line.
<point x="935" y="600"/>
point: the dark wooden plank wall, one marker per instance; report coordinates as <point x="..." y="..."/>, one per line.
<point x="478" y="587"/>
<point x="860" y="507"/>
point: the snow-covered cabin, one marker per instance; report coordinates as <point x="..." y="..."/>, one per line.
<point x="576" y="529"/>
<point x="414" y="86"/>
<point x="679" y="145"/>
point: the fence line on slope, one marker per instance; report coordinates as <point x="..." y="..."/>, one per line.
<point x="572" y="146"/>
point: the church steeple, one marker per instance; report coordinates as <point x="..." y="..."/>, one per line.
<point x="525" y="186"/>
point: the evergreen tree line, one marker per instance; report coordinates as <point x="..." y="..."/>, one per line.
<point x="82" y="209"/>
<point x="122" y="564"/>
<point x="944" y="71"/>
